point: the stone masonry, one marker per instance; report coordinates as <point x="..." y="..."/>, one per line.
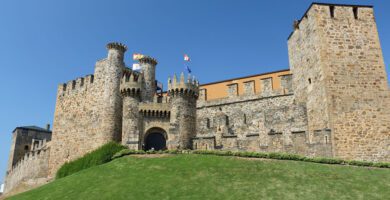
<point x="334" y="102"/>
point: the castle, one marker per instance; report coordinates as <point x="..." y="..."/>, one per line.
<point x="333" y="102"/>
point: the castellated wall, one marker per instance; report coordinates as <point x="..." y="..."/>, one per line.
<point x="269" y="121"/>
<point x="30" y="171"/>
<point x="80" y="119"/>
<point x="338" y="68"/>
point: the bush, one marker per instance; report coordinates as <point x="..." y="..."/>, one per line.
<point x="97" y="157"/>
<point x="360" y="163"/>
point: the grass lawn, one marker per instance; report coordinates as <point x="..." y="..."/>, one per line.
<point x="216" y="177"/>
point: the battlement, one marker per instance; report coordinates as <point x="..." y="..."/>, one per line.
<point x="182" y="86"/>
<point x="117" y="45"/>
<point x="155" y="109"/>
<point x="148" y="59"/>
<point x="38" y="151"/>
<point x="335" y="11"/>
<point x="131" y="83"/>
<point x="81" y="83"/>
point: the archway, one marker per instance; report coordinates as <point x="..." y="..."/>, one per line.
<point x="155" y="138"/>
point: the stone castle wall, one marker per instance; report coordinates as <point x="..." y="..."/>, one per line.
<point x="268" y="122"/>
<point x="337" y="47"/>
<point x="29" y="172"/>
<point x="81" y="121"/>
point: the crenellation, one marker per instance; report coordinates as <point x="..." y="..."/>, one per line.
<point x="332" y="102"/>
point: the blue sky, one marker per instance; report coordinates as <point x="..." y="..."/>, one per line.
<point x="44" y="43"/>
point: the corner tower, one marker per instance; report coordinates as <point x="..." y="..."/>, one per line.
<point x="183" y="94"/>
<point x="336" y="58"/>
<point x="111" y="125"/>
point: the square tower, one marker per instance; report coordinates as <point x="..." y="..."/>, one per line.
<point x="338" y="68"/>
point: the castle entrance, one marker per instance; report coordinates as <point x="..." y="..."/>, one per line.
<point x="155" y="139"/>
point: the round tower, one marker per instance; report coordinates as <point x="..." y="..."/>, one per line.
<point x="148" y="67"/>
<point x="111" y="101"/>
<point x="130" y="88"/>
<point x="183" y="94"/>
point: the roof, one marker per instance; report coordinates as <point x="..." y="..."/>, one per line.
<point x="34" y="128"/>
<point x="328" y="4"/>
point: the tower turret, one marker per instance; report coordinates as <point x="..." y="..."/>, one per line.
<point x="148" y="66"/>
<point x="111" y="100"/>
<point x="130" y="88"/>
<point x="183" y="94"/>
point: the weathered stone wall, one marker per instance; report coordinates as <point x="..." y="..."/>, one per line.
<point x="23" y="141"/>
<point x="88" y="110"/>
<point x="337" y="50"/>
<point x="31" y="171"/>
<point x="270" y="122"/>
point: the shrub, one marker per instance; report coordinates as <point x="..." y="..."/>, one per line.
<point x="360" y="163"/>
<point x="97" y="157"/>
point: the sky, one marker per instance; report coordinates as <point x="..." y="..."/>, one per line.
<point x="45" y="43"/>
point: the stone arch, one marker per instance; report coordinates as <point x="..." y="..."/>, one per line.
<point x="155" y="138"/>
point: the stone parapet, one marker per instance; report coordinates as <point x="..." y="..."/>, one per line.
<point x="188" y="87"/>
<point x="131" y="83"/>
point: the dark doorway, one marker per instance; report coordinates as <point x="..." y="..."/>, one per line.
<point x="155" y="141"/>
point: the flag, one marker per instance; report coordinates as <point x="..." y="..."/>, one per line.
<point x="186" y="58"/>
<point x="137" y="56"/>
<point x="136" y="67"/>
<point x="188" y="69"/>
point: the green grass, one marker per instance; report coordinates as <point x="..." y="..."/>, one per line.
<point x="192" y="176"/>
<point x="97" y="157"/>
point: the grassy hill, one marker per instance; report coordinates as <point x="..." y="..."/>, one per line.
<point x="190" y="176"/>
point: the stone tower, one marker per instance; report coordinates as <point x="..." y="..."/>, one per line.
<point x="183" y="94"/>
<point x="131" y="90"/>
<point x="112" y="101"/>
<point x="148" y="66"/>
<point x="336" y="58"/>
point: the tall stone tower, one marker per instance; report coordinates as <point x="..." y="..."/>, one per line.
<point x="131" y="90"/>
<point x="339" y="72"/>
<point x="183" y="94"/>
<point x="148" y="66"/>
<point x="112" y="101"/>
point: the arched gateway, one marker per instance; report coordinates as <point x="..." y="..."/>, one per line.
<point x="155" y="138"/>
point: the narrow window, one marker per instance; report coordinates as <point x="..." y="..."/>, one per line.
<point x="227" y="120"/>
<point x="326" y="139"/>
<point x="309" y="80"/>
<point x="244" y="118"/>
<point x="331" y="9"/>
<point x="64" y="87"/>
<point x="355" y="12"/>
<point x="92" y="78"/>
<point x="207" y="122"/>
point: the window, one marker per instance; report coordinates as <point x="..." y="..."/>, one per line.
<point x="326" y="139"/>
<point x="331" y="9"/>
<point x="355" y="12"/>
<point x="26" y="148"/>
<point x="227" y="120"/>
<point x="244" y="118"/>
<point x="207" y="122"/>
<point x="309" y="80"/>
